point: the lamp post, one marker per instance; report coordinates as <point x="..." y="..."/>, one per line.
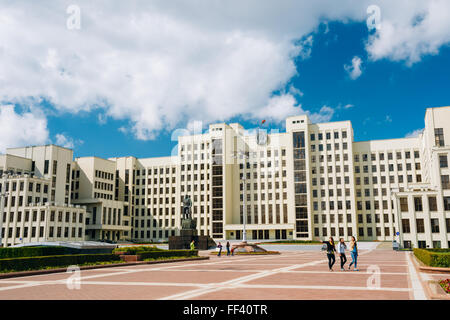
<point x="245" y="157"/>
<point x="2" y="206"/>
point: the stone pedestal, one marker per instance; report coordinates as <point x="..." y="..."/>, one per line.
<point x="187" y="234"/>
<point x="247" y="247"/>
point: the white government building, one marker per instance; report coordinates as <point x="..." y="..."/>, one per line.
<point x="312" y="181"/>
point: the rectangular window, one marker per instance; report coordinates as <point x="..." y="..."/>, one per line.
<point x="443" y="163"/>
<point x="432" y="204"/>
<point x="445" y="182"/>
<point x="405" y="226"/>
<point x="403" y="205"/>
<point x="439" y="137"/>
<point x="46" y="166"/>
<point x="434" y="225"/>
<point x="447" y="203"/>
<point x="417" y="204"/>
<point x="420" y="226"/>
<point x="299" y="139"/>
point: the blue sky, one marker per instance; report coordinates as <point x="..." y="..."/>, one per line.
<point x="121" y="93"/>
<point x="389" y="98"/>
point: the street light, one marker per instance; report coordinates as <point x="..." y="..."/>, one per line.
<point x="3" y="195"/>
<point x="245" y="157"/>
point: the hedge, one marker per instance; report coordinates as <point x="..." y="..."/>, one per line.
<point x="137" y="249"/>
<point x="36" y="263"/>
<point x="433" y="257"/>
<point x="168" y="253"/>
<point x="32" y="252"/>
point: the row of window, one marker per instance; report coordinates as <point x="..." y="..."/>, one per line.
<point x="328" y="147"/>
<point x="390" y="156"/>
<point x="31" y="186"/>
<point x="328" y="135"/>
<point x="104" y="175"/>
<point x="361" y="232"/>
<point x="400" y="179"/>
<point x="420" y="225"/>
<point x="432" y="204"/>
<point x="390" y="167"/>
<point x="20" y="232"/>
<point x="262" y="196"/>
<point x="34" y="216"/>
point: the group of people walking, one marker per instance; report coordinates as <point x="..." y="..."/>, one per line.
<point x="330" y="248"/>
<point x="230" y="251"/>
<point x="341" y="247"/>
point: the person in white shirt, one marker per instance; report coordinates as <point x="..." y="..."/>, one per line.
<point x="341" y="250"/>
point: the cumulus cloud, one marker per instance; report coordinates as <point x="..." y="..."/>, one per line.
<point x="161" y="64"/>
<point x="324" y="115"/>
<point x="21" y="129"/>
<point x="410" y="30"/>
<point x="63" y="141"/>
<point x="354" y="69"/>
<point x="414" y="133"/>
<point x="285" y="105"/>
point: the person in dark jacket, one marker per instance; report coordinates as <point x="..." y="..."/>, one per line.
<point x="220" y="249"/>
<point x="228" y="248"/>
<point x="331" y="249"/>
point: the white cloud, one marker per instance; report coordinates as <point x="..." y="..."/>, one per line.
<point x="324" y="115"/>
<point x="102" y="119"/>
<point x="283" y="106"/>
<point x="295" y="92"/>
<point x="278" y="108"/>
<point x="414" y="133"/>
<point x="123" y="130"/>
<point x="20" y="129"/>
<point x="410" y="30"/>
<point x="354" y="70"/>
<point x="63" y="141"/>
<point x="161" y="64"/>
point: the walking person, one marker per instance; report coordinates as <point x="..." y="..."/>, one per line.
<point x="220" y="249"/>
<point x="192" y="245"/>
<point x="331" y="249"/>
<point x="341" y="250"/>
<point x="354" y="254"/>
<point x="228" y="248"/>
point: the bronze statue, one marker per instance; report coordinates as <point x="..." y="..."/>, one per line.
<point x="187" y="204"/>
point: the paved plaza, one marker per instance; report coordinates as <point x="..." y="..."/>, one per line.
<point x="294" y="274"/>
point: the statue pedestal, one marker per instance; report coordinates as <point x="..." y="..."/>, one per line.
<point x="187" y="234"/>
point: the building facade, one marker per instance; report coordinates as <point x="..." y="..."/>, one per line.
<point x="310" y="182"/>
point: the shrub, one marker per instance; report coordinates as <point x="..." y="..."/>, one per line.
<point x="137" y="249"/>
<point x="445" y="284"/>
<point x="33" y="251"/>
<point x="433" y="258"/>
<point x="36" y="263"/>
<point x="168" y="254"/>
